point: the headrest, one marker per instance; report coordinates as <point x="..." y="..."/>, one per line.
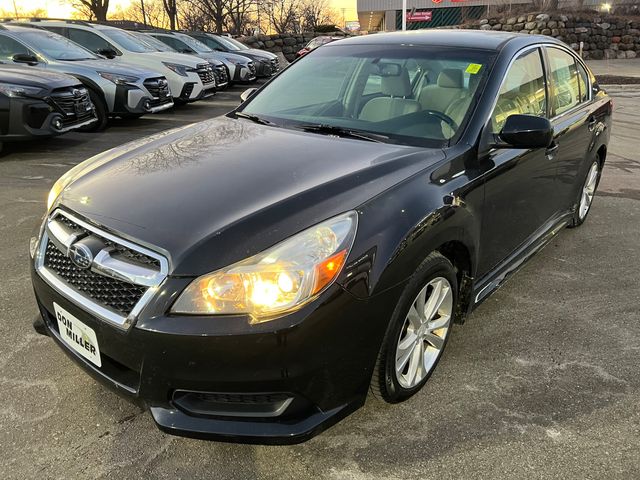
<point x="397" y="86"/>
<point x="451" y="78"/>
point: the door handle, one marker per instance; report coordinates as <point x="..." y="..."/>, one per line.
<point x="551" y="151"/>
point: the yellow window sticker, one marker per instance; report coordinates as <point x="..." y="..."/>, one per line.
<point x="473" y="68"/>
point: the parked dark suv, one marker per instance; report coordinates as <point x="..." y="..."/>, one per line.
<point x="37" y="103"/>
<point x="254" y="277"/>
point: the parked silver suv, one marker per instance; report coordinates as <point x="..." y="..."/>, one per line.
<point x="117" y="89"/>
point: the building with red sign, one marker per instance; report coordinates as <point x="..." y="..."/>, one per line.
<point x="386" y="15"/>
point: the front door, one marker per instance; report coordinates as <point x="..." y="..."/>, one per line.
<point x="520" y="193"/>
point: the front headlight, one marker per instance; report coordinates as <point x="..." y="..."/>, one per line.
<point x="181" y="70"/>
<point x="12" y="90"/>
<point x="277" y="281"/>
<point x="118" y="78"/>
<point x="58" y="187"/>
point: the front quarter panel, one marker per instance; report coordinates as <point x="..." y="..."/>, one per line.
<point x="401" y="227"/>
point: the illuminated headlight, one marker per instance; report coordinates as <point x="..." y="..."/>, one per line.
<point x="277" y="281"/>
<point x="118" y="78"/>
<point x="181" y="70"/>
<point x="11" y="90"/>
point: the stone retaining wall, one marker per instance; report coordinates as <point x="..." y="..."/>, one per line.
<point x="287" y="44"/>
<point x="603" y="37"/>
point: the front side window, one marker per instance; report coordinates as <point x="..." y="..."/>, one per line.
<point x="194" y="44"/>
<point x="55" y="46"/>
<point x="563" y="76"/>
<point x="523" y="90"/>
<point x="10" y="47"/>
<point x="369" y="88"/>
<point x="89" y="40"/>
<point x="174" y="43"/>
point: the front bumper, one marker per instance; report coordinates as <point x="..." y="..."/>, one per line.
<point x="244" y="74"/>
<point x="31" y="117"/>
<point x="266" y="68"/>
<point x="318" y="361"/>
<point x="133" y="100"/>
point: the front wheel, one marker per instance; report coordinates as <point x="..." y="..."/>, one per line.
<point x="586" y="194"/>
<point x="418" y="331"/>
<point x="102" y="114"/>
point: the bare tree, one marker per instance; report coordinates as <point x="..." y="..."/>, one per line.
<point x="282" y="14"/>
<point x="314" y="13"/>
<point x="171" y="8"/>
<point x="205" y="14"/>
<point x="238" y="15"/>
<point x="92" y="9"/>
<point x="153" y="14"/>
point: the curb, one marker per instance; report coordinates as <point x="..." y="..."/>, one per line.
<point x="627" y="90"/>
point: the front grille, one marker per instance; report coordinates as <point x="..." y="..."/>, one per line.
<point x="116" y="279"/>
<point x="74" y="102"/>
<point x="220" y="72"/>
<point x="115" y="294"/>
<point x="205" y="73"/>
<point x="275" y="65"/>
<point x="159" y="90"/>
<point x="120" y="250"/>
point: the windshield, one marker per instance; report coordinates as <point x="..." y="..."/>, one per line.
<point x="232" y="43"/>
<point x="153" y="42"/>
<point x="128" y="41"/>
<point x="196" y="45"/>
<point x="413" y="95"/>
<point x="56" y="46"/>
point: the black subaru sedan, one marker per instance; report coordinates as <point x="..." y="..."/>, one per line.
<point x="254" y="277"/>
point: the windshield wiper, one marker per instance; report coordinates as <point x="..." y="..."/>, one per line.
<point x="344" y="132"/>
<point x="255" y="118"/>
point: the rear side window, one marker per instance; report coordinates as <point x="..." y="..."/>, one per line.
<point x="563" y="75"/>
<point x="9" y="47"/>
<point x="523" y="90"/>
<point x="89" y="40"/>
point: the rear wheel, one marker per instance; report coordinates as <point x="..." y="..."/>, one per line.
<point x="586" y="194"/>
<point x="101" y="112"/>
<point x="418" y="331"/>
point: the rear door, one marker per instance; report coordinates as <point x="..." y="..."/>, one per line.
<point x="573" y="118"/>
<point x="520" y="189"/>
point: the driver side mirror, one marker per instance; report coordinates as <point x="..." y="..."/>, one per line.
<point x="108" y="52"/>
<point x="25" y="58"/>
<point x="525" y="131"/>
<point x="244" y="96"/>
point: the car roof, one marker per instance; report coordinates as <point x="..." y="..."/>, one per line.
<point x="482" y="39"/>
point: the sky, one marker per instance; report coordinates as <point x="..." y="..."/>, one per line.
<point x="61" y="9"/>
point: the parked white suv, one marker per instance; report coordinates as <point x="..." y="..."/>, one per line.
<point x="190" y="78"/>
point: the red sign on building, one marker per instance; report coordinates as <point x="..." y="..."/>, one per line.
<point x="419" y="16"/>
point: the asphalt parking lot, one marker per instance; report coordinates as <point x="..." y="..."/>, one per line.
<point x="541" y="382"/>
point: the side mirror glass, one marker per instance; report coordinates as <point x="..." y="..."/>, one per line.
<point x="108" y="52"/>
<point x="244" y="96"/>
<point x="525" y="131"/>
<point x="25" y="58"/>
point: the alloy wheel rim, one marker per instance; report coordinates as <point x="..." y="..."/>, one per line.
<point x="424" y="332"/>
<point x="588" y="191"/>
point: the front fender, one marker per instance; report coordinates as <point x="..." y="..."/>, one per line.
<point x="398" y="230"/>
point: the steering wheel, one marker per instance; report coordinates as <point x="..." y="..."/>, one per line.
<point x="441" y="116"/>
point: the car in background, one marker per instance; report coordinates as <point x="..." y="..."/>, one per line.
<point x="38" y="103"/>
<point x="315" y="43"/>
<point x="189" y="78"/>
<point x="116" y="89"/>
<point x="239" y="69"/>
<point x="266" y="63"/>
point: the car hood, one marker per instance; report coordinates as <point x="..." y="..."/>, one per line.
<point x="232" y="57"/>
<point x="176" y="57"/>
<point x="110" y="66"/>
<point x="218" y="191"/>
<point x="259" y="53"/>
<point x="36" y="77"/>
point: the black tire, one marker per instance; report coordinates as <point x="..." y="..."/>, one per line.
<point x="384" y="383"/>
<point x="579" y="217"/>
<point x="101" y="112"/>
<point x="131" y="116"/>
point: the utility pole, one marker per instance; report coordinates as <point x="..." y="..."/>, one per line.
<point x="404" y="15"/>
<point x="344" y="23"/>
<point x="15" y="9"/>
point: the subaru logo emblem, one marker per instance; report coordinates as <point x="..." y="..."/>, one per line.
<point x="80" y="255"/>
